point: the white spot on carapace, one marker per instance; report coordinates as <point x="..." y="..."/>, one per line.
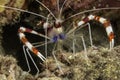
<point x="60" y="30"/>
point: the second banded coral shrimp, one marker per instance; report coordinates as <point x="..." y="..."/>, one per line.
<point x="55" y="32"/>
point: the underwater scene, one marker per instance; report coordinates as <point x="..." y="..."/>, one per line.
<point x="59" y="39"/>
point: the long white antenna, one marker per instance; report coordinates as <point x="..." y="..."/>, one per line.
<point x="23" y="11"/>
<point x="75" y="29"/>
<point x="46" y="8"/>
<point x="98" y="9"/>
<point x="62" y="7"/>
<point x="58" y="5"/>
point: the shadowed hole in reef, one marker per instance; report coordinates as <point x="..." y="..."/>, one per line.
<point x="13" y="46"/>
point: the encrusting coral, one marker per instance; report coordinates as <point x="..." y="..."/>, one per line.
<point x="8" y="15"/>
<point x="10" y="71"/>
<point x="101" y="64"/>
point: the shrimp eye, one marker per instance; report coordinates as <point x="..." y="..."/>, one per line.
<point x="55" y="39"/>
<point x="61" y="36"/>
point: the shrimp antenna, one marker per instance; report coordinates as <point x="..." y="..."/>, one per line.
<point x="62" y="7"/>
<point x="7" y="7"/>
<point x="58" y="5"/>
<point x="98" y="9"/>
<point x="47" y="17"/>
<point x="46" y="8"/>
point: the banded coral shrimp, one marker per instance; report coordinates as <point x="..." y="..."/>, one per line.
<point x="55" y="34"/>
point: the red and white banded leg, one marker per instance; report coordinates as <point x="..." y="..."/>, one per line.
<point x="21" y="31"/>
<point x="105" y="22"/>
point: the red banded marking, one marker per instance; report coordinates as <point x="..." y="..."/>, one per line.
<point x="28" y="30"/>
<point x="49" y="30"/>
<point x="58" y="25"/>
<point x="107" y="26"/>
<point x="35" y="50"/>
<point x="97" y="18"/>
<point x="23" y="30"/>
<point x="28" y="44"/>
<point x="103" y="21"/>
<point x="111" y="36"/>
<point x="86" y="19"/>
<point x="106" y="23"/>
<point x="24" y="40"/>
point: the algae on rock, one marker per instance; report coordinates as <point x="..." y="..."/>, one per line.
<point x="9" y="16"/>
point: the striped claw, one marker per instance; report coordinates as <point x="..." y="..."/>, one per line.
<point x="106" y="24"/>
<point x="28" y="44"/>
